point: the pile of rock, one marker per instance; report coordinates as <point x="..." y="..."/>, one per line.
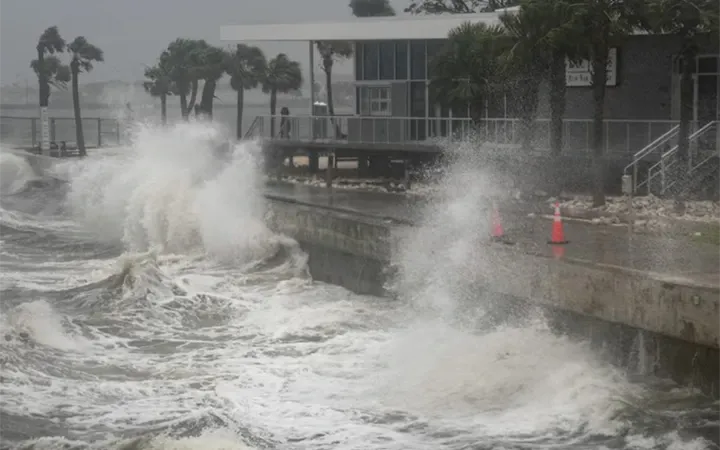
<point x="644" y="208"/>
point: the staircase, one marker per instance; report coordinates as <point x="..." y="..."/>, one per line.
<point x="255" y="130"/>
<point x="657" y="169"/>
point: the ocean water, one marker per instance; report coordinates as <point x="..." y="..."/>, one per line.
<point x="145" y="305"/>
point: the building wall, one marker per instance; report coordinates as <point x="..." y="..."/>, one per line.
<point x="645" y="87"/>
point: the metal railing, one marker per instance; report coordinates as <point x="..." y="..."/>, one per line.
<point x="652" y="150"/>
<point x="26" y="131"/>
<point x="703" y="147"/>
<point x="621" y="136"/>
<point x="254" y="130"/>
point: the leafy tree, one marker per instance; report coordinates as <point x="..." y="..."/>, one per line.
<point x="467" y="71"/>
<point x="53" y="72"/>
<point x="605" y="23"/>
<point x="330" y="51"/>
<point x="281" y="75"/>
<point x="182" y="61"/>
<point x="457" y="6"/>
<point x="212" y="65"/>
<point x="158" y="85"/>
<point x="83" y="55"/>
<point x="694" y="22"/>
<point x="49" y="70"/>
<point x="543" y="35"/>
<point x="246" y="67"/>
<point x="371" y="8"/>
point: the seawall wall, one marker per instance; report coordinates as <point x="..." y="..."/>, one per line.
<point x="672" y="322"/>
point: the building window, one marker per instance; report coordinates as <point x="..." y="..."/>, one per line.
<point x="387" y="61"/>
<point x="374" y="101"/>
<point x="371" y="59"/>
<point x="417" y="60"/>
<point x="359" y="61"/>
<point x="401" y="60"/>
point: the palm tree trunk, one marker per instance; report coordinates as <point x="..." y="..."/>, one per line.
<point x="273" y="105"/>
<point x="193" y="96"/>
<point x="686" y="104"/>
<point x="163" y="108"/>
<point x="557" y="102"/>
<point x="44" y="91"/>
<point x="599" y="78"/>
<point x="206" y="99"/>
<point x="239" y="117"/>
<point x="184" y="111"/>
<point x="79" y="138"/>
<point x="528" y="108"/>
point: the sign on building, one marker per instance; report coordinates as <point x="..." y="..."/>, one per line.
<point x="578" y="73"/>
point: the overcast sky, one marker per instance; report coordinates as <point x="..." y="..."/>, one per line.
<point x="134" y="32"/>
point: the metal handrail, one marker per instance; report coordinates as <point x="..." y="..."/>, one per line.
<point x="649" y="149"/>
<point x="250" y="131"/>
<point x="669" y="155"/>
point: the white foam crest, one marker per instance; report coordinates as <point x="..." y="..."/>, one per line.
<point x="176" y="189"/>
<point x="42" y="324"/>
<point x="15" y="172"/>
<point x="438" y="259"/>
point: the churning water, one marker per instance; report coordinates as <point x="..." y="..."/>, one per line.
<point x="146" y="306"/>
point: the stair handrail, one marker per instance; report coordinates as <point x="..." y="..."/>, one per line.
<point x="667" y="161"/>
<point x="645" y="151"/>
<point x="255" y="124"/>
<point x="654" y="145"/>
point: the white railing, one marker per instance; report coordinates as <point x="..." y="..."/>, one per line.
<point x="700" y="152"/>
<point x="652" y="150"/>
<point x="25" y="131"/>
<point x="621" y="137"/>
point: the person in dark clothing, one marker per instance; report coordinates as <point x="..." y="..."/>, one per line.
<point x="285" y="126"/>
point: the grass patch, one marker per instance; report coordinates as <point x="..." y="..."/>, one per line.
<point x="709" y="234"/>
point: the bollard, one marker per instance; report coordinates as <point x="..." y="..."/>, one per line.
<point x="627" y="191"/>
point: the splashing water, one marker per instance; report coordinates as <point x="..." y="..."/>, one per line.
<point x="154" y="310"/>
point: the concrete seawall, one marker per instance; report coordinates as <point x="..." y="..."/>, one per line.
<point x="670" y="322"/>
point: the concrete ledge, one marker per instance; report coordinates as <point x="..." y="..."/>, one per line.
<point x="674" y="319"/>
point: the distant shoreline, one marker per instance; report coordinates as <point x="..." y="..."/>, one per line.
<point x="12" y="109"/>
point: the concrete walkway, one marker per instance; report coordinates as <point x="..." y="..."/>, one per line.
<point x="614" y="245"/>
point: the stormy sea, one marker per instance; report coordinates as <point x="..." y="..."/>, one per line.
<point x="145" y="305"/>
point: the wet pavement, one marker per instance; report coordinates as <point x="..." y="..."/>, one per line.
<point x="677" y="258"/>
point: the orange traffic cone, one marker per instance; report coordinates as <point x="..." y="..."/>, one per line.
<point x="558" y="235"/>
<point x="497" y="232"/>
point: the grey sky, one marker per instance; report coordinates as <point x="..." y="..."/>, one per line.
<point x="133" y="32"/>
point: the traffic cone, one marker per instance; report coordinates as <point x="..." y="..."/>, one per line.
<point x="558" y="235"/>
<point x="497" y="232"/>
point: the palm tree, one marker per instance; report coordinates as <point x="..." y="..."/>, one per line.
<point x="48" y="72"/>
<point x="544" y="35"/>
<point x="182" y="61"/>
<point x="467" y="71"/>
<point x="212" y="68"/>
<point x="604" y="23"/>
<point x="329" y="52"/>
<point x="158" y="85"/>
<point x="281" y="75"/>
<point x="246" y="67"/>
<point x="693" y="22"/>
<point x="371" y="8"/>
<point x="83" y="55"/>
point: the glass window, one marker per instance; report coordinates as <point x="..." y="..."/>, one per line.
<point x="371" y="59"/>
<point x="401" y="62"/>
<point x="417" y="99"/>
<point x="375" y="101"/>
<point x="417" y="60"/>
<point x="358" y="61"/>
<point x="708" y="64"/>
<point x="387" y="61"/>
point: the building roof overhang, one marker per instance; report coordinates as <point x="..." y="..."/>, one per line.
<point x="359" y="29"/>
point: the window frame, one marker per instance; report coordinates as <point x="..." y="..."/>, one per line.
<point x="371" y="95"/>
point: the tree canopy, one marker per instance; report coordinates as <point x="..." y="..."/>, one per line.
<point x="371" y="8"/>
